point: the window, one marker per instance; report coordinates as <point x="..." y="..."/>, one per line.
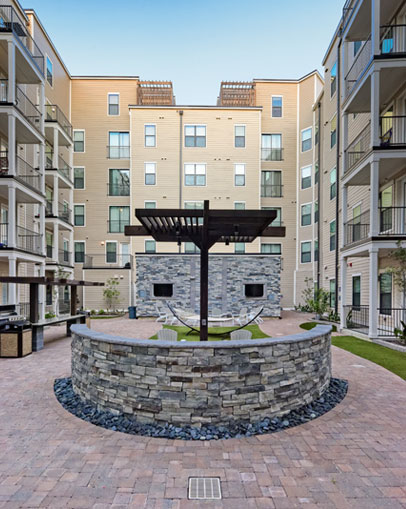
<point x="150" y="174"/>
<point x="316" y="211"/>
<point x="239" y="136"/>
<point x="333" y="80"/>
<point x="333" y="131"/>
<point x="332" y="293"/>
<point x="114" y="104"/>
<point x="191" y="248"/>
<point x="271" y="147"/>
<point x="239" y="205"/>
<point x="386" y="210"/>
<point x="254" y="291"/>
<point x="195" y="135"/>
<point x="333" y="183"/>
<point x="79" y="215"/>
<point x="271" y="184"/>
<point x="306" y="214"/>
<point x="195" y="174"/>
<point x="305" y="252"/>
<point x="306" y="177"/>
<point x="385" y="293"/>
<point x="150" y="204"/>
<point x="332" y="235"/>
<point x="150" y="135"/>
<point x="79" y="178"/>
<point x="316" y="134"/>
<point x="163" y="290"/>
<point x="316" y="173"/>
<point x="316" y="250"/>
<point x="239" y="247"/>
<point x="50" y="72"/>
<point x="356" y="223"/>
<point x="306" y="139"/>
<point x="356" y="292"/>
<point x="239" y="174"/>
<point x="194" y="205"/>
<point x="49" y="240"/>
<point x="150" y="246"/>
<point x="78" y="141"/>
<point x="119" y="217"/>
<point x="275" y="249"/>
<point x="48" y="297"/>
<point x="119" y="145"/>
<point x="79" y="252"/>
<point x="111" y="252"/>
<point x="357" y="47"/>
<point x="278" y="219"/>
<point x="277" y="106"/>
<point x="119" y="182"/>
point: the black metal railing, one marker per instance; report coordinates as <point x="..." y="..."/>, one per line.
<point x="361" y="62"/>
<point x="28" y="240"/>
<point x="3" y="91"/>
<point x="28" y="108"/>
<point x="24" y="172"/>
<point x="356" y="318"/>
<point x="392" y="221"/>
<point x="117" y="226"/>
<point x="271" y="154"/>
<point x="11" y="22"/>
<point x="50" y="251"/>
<point x="64" y="257"/>
<point x="53" y="113"/>
<point x="3" y="235"/>
<point x="63" y="307"/>
<point x="390" y="319"/>
<point x="49" y="208"/>
<point x="23" y="309"/>
<point x="118" y="189"/>
<point x="357" y="228"/>
<point x="393" y="39"/>
<point x="358" y="148"/>
<point x="348" y="9"/>
<point x="113" y="260"/>
<point x="118" y="152"/>
<point x="64" y="212"/>
<point x="49" y="159"/>
<point x="272" y="191"/>
<point x="392" y="131"/>
<point x="64" y="168"/>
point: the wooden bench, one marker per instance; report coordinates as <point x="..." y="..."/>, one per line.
<point x="38" y="328"/>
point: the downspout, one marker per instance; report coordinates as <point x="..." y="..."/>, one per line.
<point x="319" y="198"/>
<point x="180" y="161"/>
<point x="337" y="257"/>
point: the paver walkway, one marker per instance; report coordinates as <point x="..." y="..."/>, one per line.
<point x="354" y="456"/>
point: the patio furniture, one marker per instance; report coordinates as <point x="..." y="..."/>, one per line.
<point x="167" y="335"/>
<point x="162" y="314"/>
<point x="241" y="334"/>
<point x="242" y="316"/>
<point x="258" y="318"/>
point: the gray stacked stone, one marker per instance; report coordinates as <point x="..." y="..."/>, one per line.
<point x="227" y="276"/>
<point x="200" y="383"/>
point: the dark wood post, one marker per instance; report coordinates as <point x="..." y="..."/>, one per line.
<point x="34" y="297"/>
<point x="73" y="299"/>
<point x="204" y="274"/>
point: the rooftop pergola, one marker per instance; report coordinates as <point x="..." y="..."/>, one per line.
<point x="205" y="227"/>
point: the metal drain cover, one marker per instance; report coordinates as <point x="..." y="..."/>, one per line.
<point x="204" y="488"/>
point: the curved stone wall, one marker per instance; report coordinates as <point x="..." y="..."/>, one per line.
<point x="200" y="383"/>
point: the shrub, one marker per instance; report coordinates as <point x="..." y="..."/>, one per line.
<point x="101" y="312"/>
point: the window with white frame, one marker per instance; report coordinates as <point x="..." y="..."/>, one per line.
<point x="333" y="131"/>
<point x="332" y="235"/>
<point x="305" y="252"/>
<point x="119" y="145"/>
<point x="195" y="136"/>
<point x="150" y="174"/>
<point x="277" y="103"/>
<point x="150" y="204"/>
<point x="195" y="174"/>
<point x="239" y="205"/>
<point x="239" y="136"/>
<point x="79" y="178"/>
<point x="79" y="215"/>
<point x="270" y="248"/>
<point x="239" y="174"/>
<point x="114" y="104"/>
<point x="271" y="184"/>
<point x="306" y="214"/>
<point x="306" y="139"/>
<point x="271" y="147"/>
<point x="79" y="251"/>
<point x="150" y="246"/>
<point x="333" y="80"/>
<point x="191" y="248"/>
<point x="332" y="293"/>
<point x="150" y="135"/>
<point x="111" y="252"/>
<point x="239" y="247"/>
<point x="79" y="140"/>
<point x="306" y="177"/>
<point x="333" y="183"/>
<point x="278" y="219"/>
<point x="50" y="72"/>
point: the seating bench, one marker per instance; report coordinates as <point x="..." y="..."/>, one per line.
<point x="38" y="328"/>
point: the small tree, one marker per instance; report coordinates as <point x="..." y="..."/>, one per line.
<point x="316" y="299"/>
<point x="111" y="293"/>
<point x="399" y="270"/>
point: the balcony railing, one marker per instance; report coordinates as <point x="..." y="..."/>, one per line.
<point x="64" y="168"/>
<point x="64" y="212"/>
<point x="28" y="108"/>
<point x="357" y="318"/>
<point x="26" y="240"/>
<point x="271" y="191"/>
<point x="114" y="152"/>
<point x="118" y="189"/>
<point x="11" y="22"/>
<point x="393" y="39"/>
<point x="50" y="251"/>
<point x="271" y="154"/>
<point x="3" y="235"/>
<point x="361" y="62"/>
<point x="357" y="229"/>
<point x="113" y="260"/>
<point x="348" y="9"/>
<point x="3" y="91"/>
<point x="64" y="257"/>
<point x="358" y="148"/>
<point x="49" y="209"/>
<point x="393" y="131"/>
<point x="117" y="226"/>
<point x="24" y="172"/>
<point x="53" y="113"/>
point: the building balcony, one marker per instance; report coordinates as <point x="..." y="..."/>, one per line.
<point x="26" y="240"/>
<point x="64" y="257"/>
<point x="64" y="213"/>
<point x="271" y="154"/>
<point x="118" y="189"/>
<point x="118" y="152"/>
<point x="117" y="226"/>
<point x="63" y="169"/>
<point x="54" y="114"/>
<point x="24" y="172"/>
<point x="108" y="260"/>
<point x="271" y="191"/>
<point x="392" y="225"/>
<point x="11" y="23"/>
<point x="49" y="251"/>
<point x="357" y="319"/>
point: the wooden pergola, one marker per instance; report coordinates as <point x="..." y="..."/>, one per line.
<point x="205" y="227"/>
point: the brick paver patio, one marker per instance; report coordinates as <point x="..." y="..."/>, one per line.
<point x="354" y="456"/>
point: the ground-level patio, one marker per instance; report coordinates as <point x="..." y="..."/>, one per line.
<point x="353" y="456"/>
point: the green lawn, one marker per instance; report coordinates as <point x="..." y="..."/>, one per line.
<point x="193" y="336"/>
<point x="311" y="325"/>
<point x="389" y="359"/>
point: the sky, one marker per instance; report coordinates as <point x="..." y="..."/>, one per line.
<point x="195" y="44"/>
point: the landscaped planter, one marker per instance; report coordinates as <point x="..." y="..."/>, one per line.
<point x="192" y="383"/>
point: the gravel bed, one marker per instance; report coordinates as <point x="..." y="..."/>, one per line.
<point x="334" y="394"/>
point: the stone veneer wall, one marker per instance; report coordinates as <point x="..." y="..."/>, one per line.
<point x="200" y="383"/>
<point x="227" y="276"/>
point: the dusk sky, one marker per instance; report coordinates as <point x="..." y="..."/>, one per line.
<point x="194" y="44"/>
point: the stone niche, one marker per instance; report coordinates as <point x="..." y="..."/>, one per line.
<point x="195" y="383"/>
<point x="232" y="278"/>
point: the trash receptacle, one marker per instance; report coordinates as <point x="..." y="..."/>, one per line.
<point x="132" y="312"/>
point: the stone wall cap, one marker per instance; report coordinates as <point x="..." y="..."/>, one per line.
<point x="85" y="332"/>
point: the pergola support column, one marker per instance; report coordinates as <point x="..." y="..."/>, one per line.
<point x="204" y="275"/>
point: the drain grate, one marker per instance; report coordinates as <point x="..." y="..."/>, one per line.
<point x="204" y="488"/>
